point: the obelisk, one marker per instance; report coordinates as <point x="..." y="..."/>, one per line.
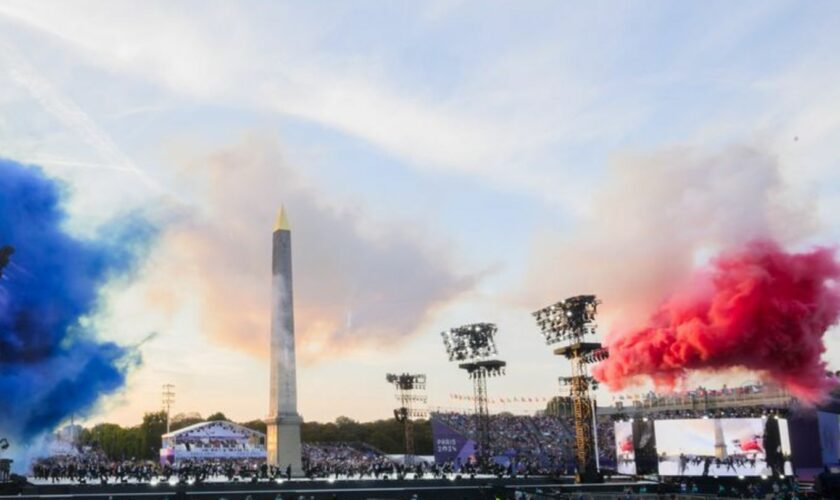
<point x="283" y="422"/>
<point x="720" y="444"/>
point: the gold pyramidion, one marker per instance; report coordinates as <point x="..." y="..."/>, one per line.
<point x="282" y="223"/>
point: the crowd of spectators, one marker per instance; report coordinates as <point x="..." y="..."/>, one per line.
<point x="545" y="441"/>
<point x="555" y="436"/>
<point x="756" y="411"/>
<point x="532" y="444"/>
<point x="319" y="460"/>
<point x="344" y="459"/>
<point x="701" y="394"/>
<point x="214" y="444"/>
<point x="509" y="434"/>
<point x="95" y="467"/>
<point x="700" y="391"/>
<point x="606" y="442"/>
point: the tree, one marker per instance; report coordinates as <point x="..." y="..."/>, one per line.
<point x="383" y="439"/>
<point x="151" y="430"/>
<point x="255" y="425"/>
<point x="107" y="437"/>
<point x="116" y="442"/>
<point x="423" y="437"/>
<point x="342" y="420"/>
<point x="144" y="440"/>
<point x="182" y="420"/>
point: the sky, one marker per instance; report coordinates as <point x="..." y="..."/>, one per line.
<point x="441" y="163"/>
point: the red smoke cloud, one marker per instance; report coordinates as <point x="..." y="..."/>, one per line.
<point x="758" y="308"/>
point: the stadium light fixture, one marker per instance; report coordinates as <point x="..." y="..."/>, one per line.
<point x="567" y="318"/>
<point x="470" y="342"/>
<point x="407" y="381"/>
<point x="474" y="347"/>
<point x="406" y="384"/>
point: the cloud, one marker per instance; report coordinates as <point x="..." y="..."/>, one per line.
<point x="72" y="116"/>
<point x="656" y="217"/>
<point x="358" y="283"/>
<point x="513" y="111"/>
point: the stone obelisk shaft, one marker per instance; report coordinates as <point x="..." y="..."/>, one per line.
<point x="283" y="423"/>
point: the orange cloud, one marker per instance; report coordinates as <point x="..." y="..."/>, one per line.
<point x="354" y="286"/>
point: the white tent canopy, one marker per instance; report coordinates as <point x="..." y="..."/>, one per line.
<point x="213" y="440"/>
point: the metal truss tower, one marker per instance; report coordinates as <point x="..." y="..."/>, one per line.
<point x="479" y="372"/>
<point x="569" y="321"/>
<point x="407" y="387"/>
<point x="475" y="345"/>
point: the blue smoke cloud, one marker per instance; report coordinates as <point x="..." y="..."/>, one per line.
<point x="51" y="363"/>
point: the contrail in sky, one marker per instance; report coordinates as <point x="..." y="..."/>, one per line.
<point x="72" y="116"/>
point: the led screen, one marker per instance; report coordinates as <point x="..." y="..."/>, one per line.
<point x="624" y="451"/>
<point x="721" y="447"/>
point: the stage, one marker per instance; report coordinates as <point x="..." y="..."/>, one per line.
<point x="454" y="488"/>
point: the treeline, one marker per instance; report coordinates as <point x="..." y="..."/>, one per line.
<point x="140" y="441"/>
<point x="144" y="440"/>
<point x="385" y="435"/>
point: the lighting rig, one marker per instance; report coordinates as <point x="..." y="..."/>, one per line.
<point x="407" y="385"/>
<point x="567" y="322"/>
<point x="474" y="346"/>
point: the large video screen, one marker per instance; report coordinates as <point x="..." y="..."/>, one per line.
<point x="624" y="451"/>
<point x="721" y="447"/>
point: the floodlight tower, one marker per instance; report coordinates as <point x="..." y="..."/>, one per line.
<point x="407" y="386"/>
<point x="168" y="398"/>
<point x="475" y="345"/>
<point x="569" y="321"/>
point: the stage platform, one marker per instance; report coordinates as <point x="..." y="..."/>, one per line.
<point x="462" y="488"/>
